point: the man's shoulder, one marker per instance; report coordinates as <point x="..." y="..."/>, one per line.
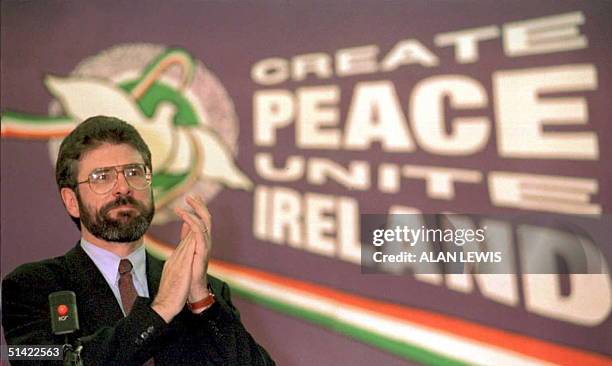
<point x="46" y="270"/>
<point x="216" y="283"/>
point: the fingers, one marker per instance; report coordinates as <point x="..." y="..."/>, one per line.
<point x="185" y="242"/>
<point x="184" y="229"/>
<point x="200" y="209"/>
<point x="195" y="224"/>
<point x="201" y="235"/>
<point x="199" y="223"/>
<point x="202" y="216"/>
<point x="185" y="247"/>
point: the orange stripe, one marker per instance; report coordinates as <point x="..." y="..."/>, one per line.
<point x="32" y="134"/>
<point x="144" y="85"/>
<point x="511" y="341"/>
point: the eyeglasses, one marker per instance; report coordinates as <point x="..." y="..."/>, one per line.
<point x="103" y="180"/>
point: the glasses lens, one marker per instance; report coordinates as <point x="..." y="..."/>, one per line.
<point x="102" y="180"/>
<point x="136" y="176"/>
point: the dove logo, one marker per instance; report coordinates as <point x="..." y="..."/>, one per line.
<point x="179" y="107"/>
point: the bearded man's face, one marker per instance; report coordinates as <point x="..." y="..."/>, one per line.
<point x="112" y="205"/>
<point x="127" y="225"/>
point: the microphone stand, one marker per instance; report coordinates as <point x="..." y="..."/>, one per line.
<point x="72" y="355"/>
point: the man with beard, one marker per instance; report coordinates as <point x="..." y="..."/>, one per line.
<point x="133" y="308"/>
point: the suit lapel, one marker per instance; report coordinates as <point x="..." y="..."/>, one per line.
<point x="154" y="271"/>
<point x="96" y="303"/>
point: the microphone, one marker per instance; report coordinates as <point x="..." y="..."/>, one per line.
<point x="64" y="316"/>
<point x="65" y="320"/>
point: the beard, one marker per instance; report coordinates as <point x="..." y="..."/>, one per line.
<point x="127" y="227"/>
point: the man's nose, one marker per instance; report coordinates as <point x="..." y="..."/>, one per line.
<point x="122" y="187"/>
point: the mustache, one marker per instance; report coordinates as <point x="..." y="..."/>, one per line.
<point x="120" y="201"/>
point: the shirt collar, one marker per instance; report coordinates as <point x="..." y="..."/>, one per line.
<point x="108" y="262"/>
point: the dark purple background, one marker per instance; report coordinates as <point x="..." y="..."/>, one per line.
<point x="51" y="37"/>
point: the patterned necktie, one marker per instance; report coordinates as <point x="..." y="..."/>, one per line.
<point x="126" y="285"/>
<point x="128" y="291"/>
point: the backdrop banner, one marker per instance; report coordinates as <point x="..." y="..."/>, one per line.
<point x="391" y="183"/>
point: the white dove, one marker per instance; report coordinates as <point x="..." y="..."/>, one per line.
<point x="82" y="98"/>
<point x="86" y="97"/>
<point x="218" y="162"/>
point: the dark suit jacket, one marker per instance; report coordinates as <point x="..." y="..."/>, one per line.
<point x="215" y="337"/>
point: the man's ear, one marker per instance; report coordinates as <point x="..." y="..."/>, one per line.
<point x="70" y="201"/>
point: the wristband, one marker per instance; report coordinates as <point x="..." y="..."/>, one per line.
<point x="202" y="304"/>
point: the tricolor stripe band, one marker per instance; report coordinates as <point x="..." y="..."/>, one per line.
<point x="414" y="334"/>
<point x="29" y="127"/>
<point x="422" y="336"/>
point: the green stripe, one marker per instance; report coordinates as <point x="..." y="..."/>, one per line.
<point x="398" y="348"/>
<point x="24" y="118"/>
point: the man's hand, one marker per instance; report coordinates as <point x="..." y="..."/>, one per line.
<point x="175" y="280"/>
<point x="199" y="225"/>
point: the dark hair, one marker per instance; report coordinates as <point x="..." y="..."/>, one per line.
<point x="87" y="136"/>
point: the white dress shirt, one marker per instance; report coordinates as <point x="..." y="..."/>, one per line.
<point x="108" y="264"/>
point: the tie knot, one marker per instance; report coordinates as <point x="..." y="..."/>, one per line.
<point x="125" y="266"/>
